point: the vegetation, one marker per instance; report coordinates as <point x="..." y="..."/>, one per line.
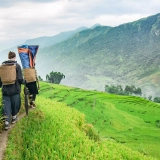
<point x="129" y="90"/>
<point x="39" y="78"/>
<point x="126" y="54"/>
<point x="55" y="77"/>
<point x="157" y="99"/>
<point x="132" y="121"/>
<point x="55" y="131"/>
<point x="87" y="125"/>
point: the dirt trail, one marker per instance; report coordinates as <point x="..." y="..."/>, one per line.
<point x="4" y="137"/>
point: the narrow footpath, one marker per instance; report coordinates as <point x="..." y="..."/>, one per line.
<point x="4" y="137"/>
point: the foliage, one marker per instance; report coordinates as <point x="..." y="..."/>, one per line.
<point x="157" y="99"/>
<point x="39" y="78"/>
<point x="54" y="132"/>
<point x="130" y="120"/>
<point x="126" y="54"/>
<point x="158" y="123"/>
<point x="129" y="90"/>
<point x="65" y="130"/>
<point x="55" y="77"/>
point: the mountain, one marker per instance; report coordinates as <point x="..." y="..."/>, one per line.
<point x="126" y="54"/>
<point x="95" y="25"/>
<point x="43" y="41"/>
<point x="49" y="41"/>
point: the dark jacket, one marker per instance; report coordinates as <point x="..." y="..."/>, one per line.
<point x="12" y="89"/>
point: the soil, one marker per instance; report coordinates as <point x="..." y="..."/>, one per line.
<point x="4" y="137"/>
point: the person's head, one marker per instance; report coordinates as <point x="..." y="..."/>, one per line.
<point x="11" y="55"/>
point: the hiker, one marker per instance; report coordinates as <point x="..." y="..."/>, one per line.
<point x="27" y="55"/>
<point x="11" y="91"/>
<point x="33" y="88"/>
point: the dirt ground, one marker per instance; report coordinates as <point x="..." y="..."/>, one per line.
<point x="4" y="137"/>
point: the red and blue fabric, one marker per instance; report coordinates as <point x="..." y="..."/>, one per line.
<point x="27" y="54"/>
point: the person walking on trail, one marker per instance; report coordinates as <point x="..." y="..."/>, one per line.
<point x="11" y="91"/>
<point x="33" y="88"/>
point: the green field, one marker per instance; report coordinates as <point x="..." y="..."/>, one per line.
<point x="125" y="127"/>
<point x="130" y="120"/>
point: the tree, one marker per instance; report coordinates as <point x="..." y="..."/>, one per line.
<point x="157" y="99"/>
<point x="47" y="77"/>
<point x="150" y="98"/>
<point x="133" y="89"/>
<point x="119" y="89"/>
<point x="138" y="91"/>
<point x="40" y="79"/>
<point x="106" y="88"/>
<point x="128" y="90"/>
<point x="55" y="77"/>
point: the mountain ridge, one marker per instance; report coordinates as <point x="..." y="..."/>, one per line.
<point x="44" y="41"/>
<point x="124" y="54"/>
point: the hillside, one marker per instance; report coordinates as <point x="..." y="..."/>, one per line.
<point x="128" y="120"/>
<point x="64" y="130"/>
<point x="49" y="41"/>
<point x="126" y="54"/>
<point x="43" y="41"/>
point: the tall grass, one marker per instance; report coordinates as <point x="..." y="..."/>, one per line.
<point x="54" y="131"/>
<point x="132" y="121"/>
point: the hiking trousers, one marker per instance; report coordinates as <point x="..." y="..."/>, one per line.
<point x="11" y="106"/>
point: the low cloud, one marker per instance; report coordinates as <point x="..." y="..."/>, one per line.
<point x="25" y="19"/>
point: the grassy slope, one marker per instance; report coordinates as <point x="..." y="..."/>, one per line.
<point x="56" y="131"/>
<point x="128" y="120"/>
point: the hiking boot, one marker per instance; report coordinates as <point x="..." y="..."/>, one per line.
<point x="33" y="105"/>
<point x="14" y="120"/>
<point x="6" y="125"/>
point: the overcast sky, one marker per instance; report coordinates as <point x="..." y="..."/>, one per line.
<point x="25" y="19"/>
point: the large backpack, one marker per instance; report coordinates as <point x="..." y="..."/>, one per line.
<point x="8" y="73"/>
<point x="27" y="54"/>
<point x="29" y="74"/>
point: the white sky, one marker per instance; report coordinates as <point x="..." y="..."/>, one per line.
<point x="26" y="19"/>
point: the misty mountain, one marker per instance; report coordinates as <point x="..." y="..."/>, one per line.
<point x="43" y="41"/>
<point x="95" y="25"/>
<point x="49" y="41"/>
<point x="126" y="54"/>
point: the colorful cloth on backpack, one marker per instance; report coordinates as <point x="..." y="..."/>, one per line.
<point x="27" y="54"/>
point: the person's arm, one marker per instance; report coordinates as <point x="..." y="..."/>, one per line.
<point x="0" y="83"/>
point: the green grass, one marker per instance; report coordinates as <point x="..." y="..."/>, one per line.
<point x="124" y="127"/>
<point x="56" y="131"/>
<point x="127" y="119"/>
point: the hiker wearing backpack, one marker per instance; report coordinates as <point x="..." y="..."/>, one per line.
<point x="27" y="54"/>
<point x="33" y="88"/>
<point x="10" y="80"/>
